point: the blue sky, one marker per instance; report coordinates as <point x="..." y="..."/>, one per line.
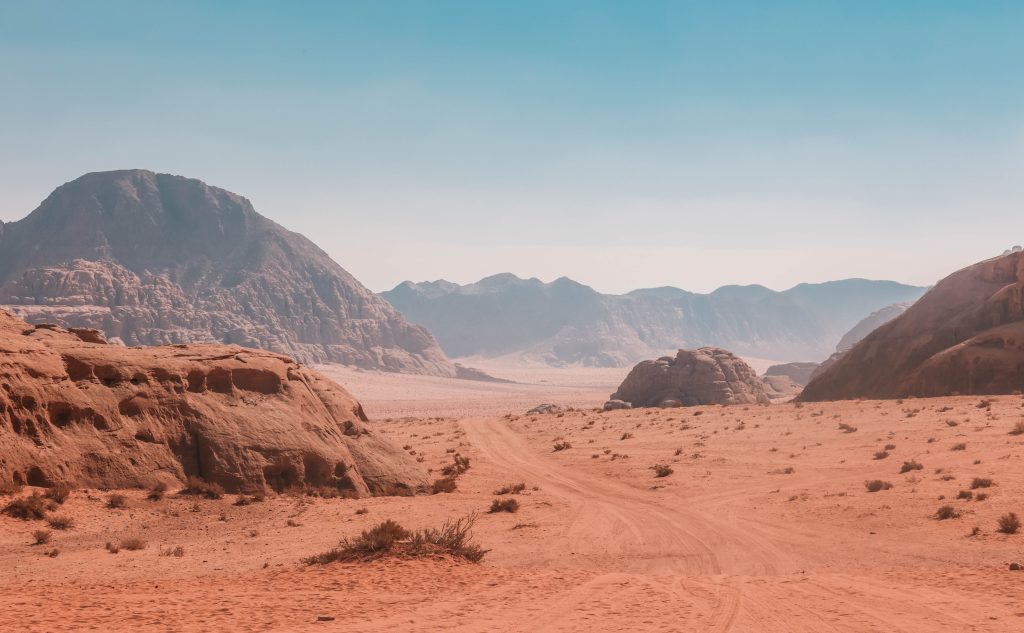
<point x="624" y="144"/>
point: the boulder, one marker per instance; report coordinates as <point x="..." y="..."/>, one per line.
<point x="708" y="375"/>
<point x="613" y="405"/>
<point x="76" y="411"/>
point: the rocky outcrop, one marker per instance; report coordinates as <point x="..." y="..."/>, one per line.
<point x="708" y="375"/>
<point x="799" y="373"/>
<point x="869" y="324"/>
<point x="75" y="410"/>
<point x="155" y="259"/>
<point x="565" y="322"/>
<point x="965" y="336"/>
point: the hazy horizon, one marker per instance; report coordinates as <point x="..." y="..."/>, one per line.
<point x="669" y="144"/>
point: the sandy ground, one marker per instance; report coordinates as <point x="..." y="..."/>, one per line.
<point x="385" y="395"/>
<point x="764" y="525"/>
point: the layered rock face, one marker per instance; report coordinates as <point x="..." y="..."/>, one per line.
<point x="76" y="410"/>
<point x="153" y="259"/>
<point x="708" y="375"/>
<point x="799" y="373"/>
<point x="964" y="336"/>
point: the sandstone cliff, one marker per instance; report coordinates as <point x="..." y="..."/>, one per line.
<point x="693" y="377"/>
<point x="76" y="410"/>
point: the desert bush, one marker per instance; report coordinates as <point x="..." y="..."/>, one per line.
<point x="965" y="494"/>
<point x="1009" y="523"/>
<point x="198" y="487"/>
<point x="362" y="511"/>
<point x="459" y="465"/>
<point x="244" y="500"/>
<point x="846" y="428"/>
<point x="133" y="544"/>
<point x="981" y="482"/>
<point x="42" y="537"/>
<point x="34" y="506"/>
<point x="881" y="454"/>
<point x="981" y="496"/>
<point x="1018" y="428"/>
<point x="561" y="446"/>
<point x="157" y="492"/>
<point x="511" y="489"/>
<point x="946" y="512"/>
<point x="176" y="552"/>
<point x="962" y="446"/>
<point x="504" y="505"/>
<point x="112" y="547"/>
<point x="626" y="436"/>
<point x="115" y="501"/>
<point x="445" y="484"/>
<point x="877" y="484"/>
<point x="455" y="538"/>
<point x="58" y="494"/>
<point x="909" y="466"/>
<point x="890" y="447"/>
<point x="10" y="488"/>
<point x="61" y="522"/>
<point x="662" y="470"/>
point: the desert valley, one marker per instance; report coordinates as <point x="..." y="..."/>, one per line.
<point x="159" y="471"/>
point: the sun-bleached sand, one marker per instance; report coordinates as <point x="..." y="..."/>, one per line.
<point x="765" y="524"/>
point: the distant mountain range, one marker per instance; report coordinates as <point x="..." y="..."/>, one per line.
<point x="154" y="259"/>
<point x="565" y="322"/>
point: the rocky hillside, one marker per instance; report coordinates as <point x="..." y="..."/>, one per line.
<point x="564" y="322"/>
<point x="965" y="336"/>
<point x="76" y="410"/>
<point x="152" y="259"/>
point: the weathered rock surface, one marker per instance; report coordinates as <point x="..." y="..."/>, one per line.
<point x="74" y="410"/>
<point x="780" y="386"/>
<point x="708" y="375"/>
<point x="965" y="336"/>
<point x="799" y="373"/>
<point x="154" y="259"/>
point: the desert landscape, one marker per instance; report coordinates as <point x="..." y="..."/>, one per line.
<point x="524" y="317"/>
<point x="765" y="519"/>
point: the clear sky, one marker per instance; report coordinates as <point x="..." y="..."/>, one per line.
<point x="624" y="144"/>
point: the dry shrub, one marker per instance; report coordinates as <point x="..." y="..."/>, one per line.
<point x="199" y="487"/>
<point x="511" y="489"/>
<point x="157" y="492"/>
<point x="962" y="446"/>
<point x="504" y="505"/>
<point x="445" y="484"/>
<point x="42" y="537"/>
<point x="34" y="506"/>
<point x="112" y="547"/>
<point x="244" y="500"/>
<point x="662" y="470"/>
<point x="846" y="428"/>
<point x="965" y="494"/>
<point x="946" y="512"/>
<point x="10" y="488"/>
<point x="1018" y="428"/>
<point x="459" y="465"/>
<point x="981" y="482"/>
<point x="58" y="494"/>
<point x="881" y="454"/>
<point x="1009" y="523"/>
<point x="877" y="484"/>
<point x="561" y="446"/>
<point x="454" y="538"/>
<point x="115" y="501"/>
<point x="626" y="436"/>
<point x="176" y="552"/>
<point x="61" y="522"/>
<point x="133" y="544"/>
<point x="909" y="466"/>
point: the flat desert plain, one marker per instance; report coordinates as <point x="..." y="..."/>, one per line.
<point x="761" y="522"/>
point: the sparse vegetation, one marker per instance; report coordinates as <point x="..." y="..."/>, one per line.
<point x="454" y="538"/>
<point x="946" y="512"/>
<point x="443" y="485"/>
<point x="42" y="537"/>
<point x="875" y="485"/>
<point x="198" y="487"/>
<point x="504" y="505"/>
<point x="10" y="488"/>
<point x="58" y="494"/>
<point x="981" y="482"/>
<point x="626" y="436"/>
<point x="1018" y="428"/>
<point x="459" y="465"/>
<point x="511" y="489"/>
<point x="157" y="492"/>
<point x="881" y="454"/>
<point x="965" y="494"/>
<point x="116" y="501"/>
<point x="133" y="544"/>
<point x="32" y="507"/>
<point x="1009" y="523"/>
<point x="561" y="446"/>
<point x="962" y="446"/>
<point x="909" y="466"/>
<point x="61" y="522"/>
<point x="846" y="428"/>
<point x="662" y="470"/>
<point x="176" y="552"/>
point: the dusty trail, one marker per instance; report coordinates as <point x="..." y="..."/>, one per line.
<point x="703" y="571"/>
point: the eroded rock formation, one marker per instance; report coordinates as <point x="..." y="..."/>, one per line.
<point x="708" y="375"/>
